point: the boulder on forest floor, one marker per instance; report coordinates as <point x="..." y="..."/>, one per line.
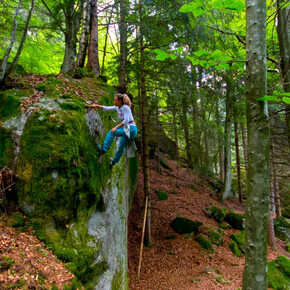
<point x="279" y="273"/>
<point x="183" y="225"/>
<point x="282" y="228"/>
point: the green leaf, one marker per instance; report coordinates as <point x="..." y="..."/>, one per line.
<point x="234" y="5"/>
<point x="268" y="98"/>
<point x="286" y="100"/>
<point x="173" y="56"/>
<point x="216" y="54"/>
<point x="200" y="53"/>
<point x="193" y="60"/>
<point x="198" y="11"/>
<point x="225" y="58"/>
<point x="285" y="94"/>
<point x="179" y="49"/>
<point x="223" y="65"/>
<point x="217" y="4"/>
<point x="199" y="2"/>
<point x="188" y="7"/>
<point x="161" y="55"/>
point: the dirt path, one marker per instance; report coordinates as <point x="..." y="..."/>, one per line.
<point x="181" y="263"/>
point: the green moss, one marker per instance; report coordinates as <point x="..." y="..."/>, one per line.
<point x="288" y="248"/>
<point x="174" y="191"/>
<point x="225" y="226"/>
<point x="16" y="285"/>
<point x="5" y="263"/>
<point x="205" y="243"/>
<point x="17" y="220"/>
<point x="6" y="148"/>
<point x="218" y="214"/>
<point x="193" y="186"/>
<point x="49" y="85"/>
<point x="233" y="246"/>
<point x="240" y="240"/>
<point x="118" y="281"/>
<point x="236" y="220"/>
<point x="164" y="164"/>
<point x="216" y="238"/>
<point x="161" y="195"/>
<point x="183" y="225"/>
<point x="10" y="104"/>
<point x="278" y="273"/>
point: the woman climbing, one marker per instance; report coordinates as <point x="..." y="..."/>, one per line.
<point x="127" y="129"/>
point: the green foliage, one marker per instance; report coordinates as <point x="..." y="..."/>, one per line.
<point x="240" y="240"/>
<point x="17" y="220"/>
<point x="283" y="97"/>
<point x="205" y="243"/>
<point x="164" y="164"/>
<point x="282" y="228"/>
<point x="161" y="195"/>
<point x="10" y="104"/>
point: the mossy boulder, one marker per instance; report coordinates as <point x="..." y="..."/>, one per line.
<point x="233" y="246"/>
<point x="204" y="242"/>
<point x="218" y="214"/>
<point x="161" y="195"/>
<point x="279" y="273"/>
<point x="164" y="164"/>
<point x="240" y="240"/>
<point x="183" y="225"/>
<point x="71" y="196"/>
<point x="282" y="228"/>
<point x="236" y="220"/>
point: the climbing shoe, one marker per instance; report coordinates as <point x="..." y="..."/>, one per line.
<point x="100" y="149"/>
<point x="112" y="163"/>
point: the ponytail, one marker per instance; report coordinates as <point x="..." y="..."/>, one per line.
<point x="125" y="99"/>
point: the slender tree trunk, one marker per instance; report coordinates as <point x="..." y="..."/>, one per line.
<point x="123" y="44"/>
<point x="84" y="34"/>
<point x="157" y="133"/>
<point x="12" y="40"/>
<point x="244" y="141"/>
<point x="184" y="104"/>
<point x="271" y="232"/>
<point x="220" y="145"/>
<point x="93" y="54"/>
<point x="106" y="40"/>
<point x="145" y="157"/>
<point x="16" y="58"/>
<point x="257" y="204"/>
<point x="228" y="136"/>
<point x="283" y="29"/>
<point x="69" y="64"/>
<point x="276" y="190"/>
<point x="176" y="145"/>
<point x="238" y="161"/>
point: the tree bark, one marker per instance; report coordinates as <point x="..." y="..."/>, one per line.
<point x="228" y="136"/>
<point x="184" y="105"/>
<point x="220" y="146"/>
<point x="283" y="29"/>
<point x="84" y="34"/>
<point x="238" y="161"/>
<point x="71" y="29"/>
<point x="12" y="40"/>
<point x="257" y="204"/>
<point x="244" y="141"/>
<point x="93" y="54"/>
<point x="123" y="44"/>
<point x="145" y="157"/>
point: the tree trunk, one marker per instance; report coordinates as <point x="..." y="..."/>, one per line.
<point x="276" y="190"/>
<point x="228" y="136"/>
<point x="123" y="44"/>
<point x="12" y="40"/>
<point x="238" y="162"/>
<point x="93" y="54"/>
<point x="176" y="145"/>
<point x="157" y="133"/>
<point x="271" y="232"/>
<point x="84" y="34"/>
<point x="283" y="29"/>
<point x="145" y="157"/>
<point x="184" y="104"/>
<point x="70" y="54"/>
<point x="244" y="141"/>
<point x="257" y="204"/>
<point x="220" y="146"/>
<point x="106" y="40"/>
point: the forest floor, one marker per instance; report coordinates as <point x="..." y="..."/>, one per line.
<point x="181" y="263"/>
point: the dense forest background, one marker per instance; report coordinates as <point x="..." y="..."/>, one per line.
<point x="184" y="64"/>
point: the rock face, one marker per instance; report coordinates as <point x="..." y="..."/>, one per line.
<point x="77" y="204"/>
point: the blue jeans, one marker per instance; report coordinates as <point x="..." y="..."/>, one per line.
<point x="123" y="142"/>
